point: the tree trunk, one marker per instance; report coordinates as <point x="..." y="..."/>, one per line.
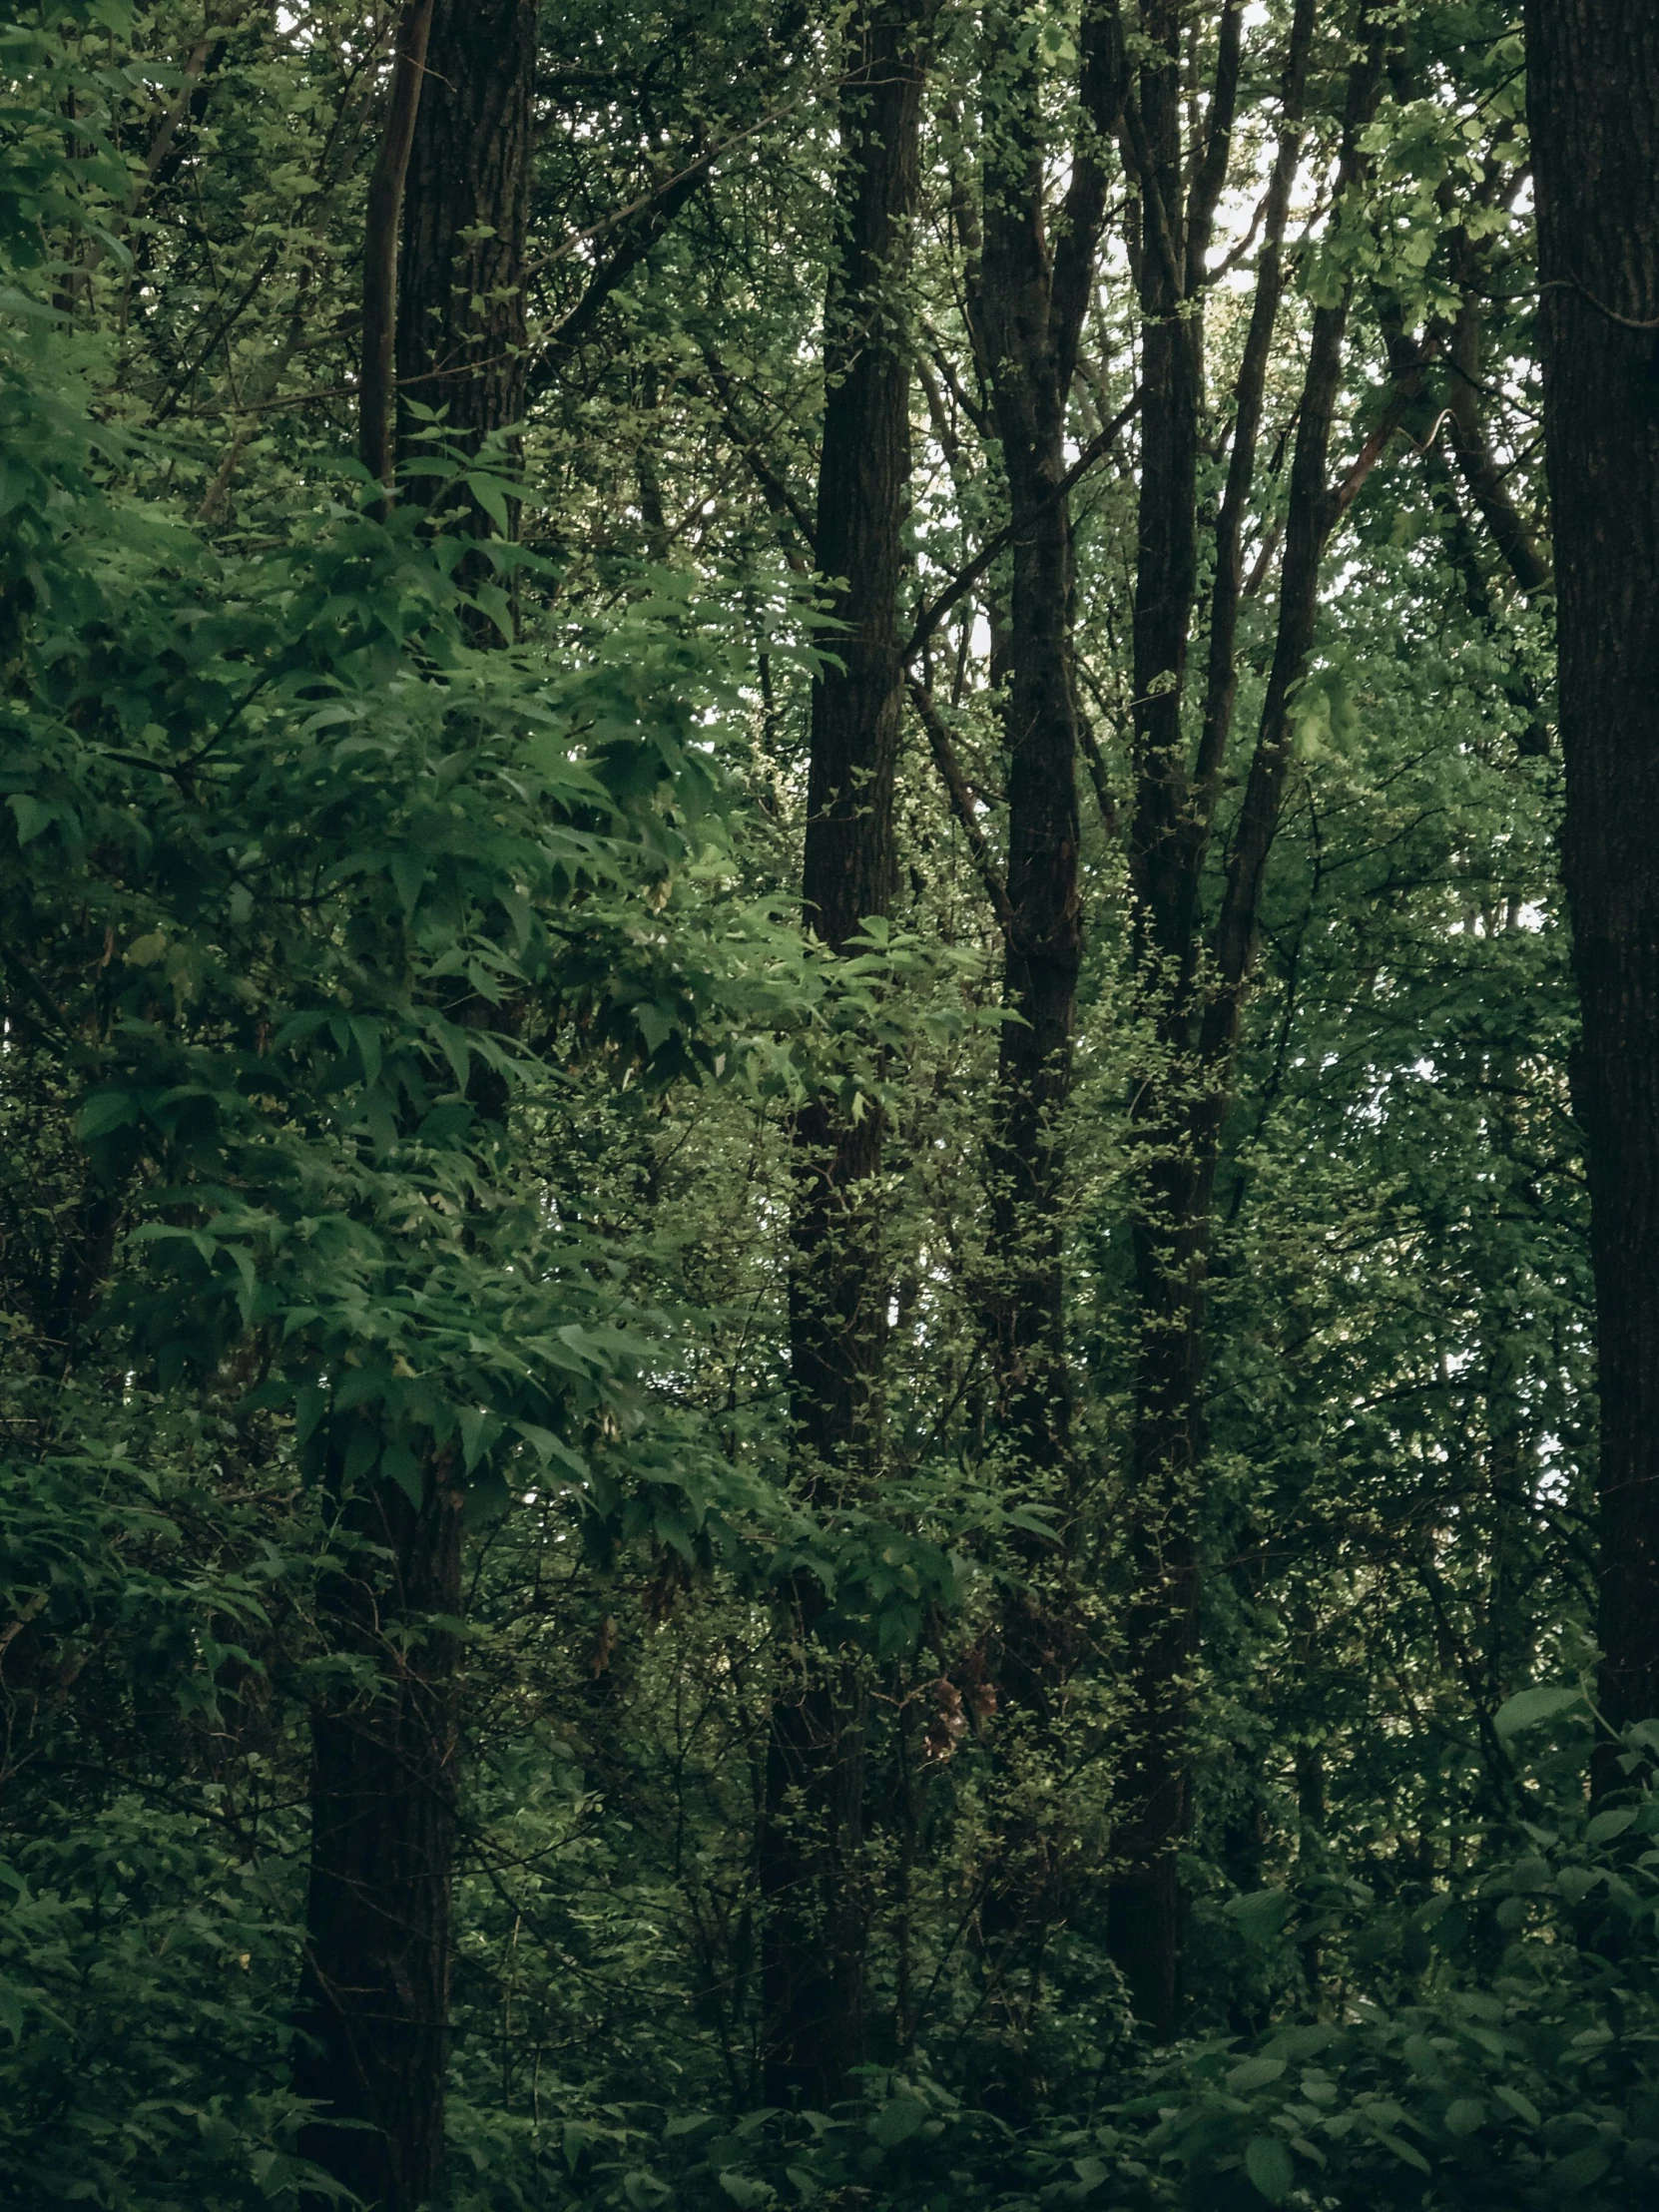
<point x="1168" y="837"/>
<point x="460" y="270"/>
<point x="376" y="1979"/>
<point x="1027" y="305"/>
<point x="1593" y="100"/>
<point x="375" y="1987"/>
<point x="810" y="1841"/>
<point x="1185" y="1095"/>
<point x="377" y="363"/>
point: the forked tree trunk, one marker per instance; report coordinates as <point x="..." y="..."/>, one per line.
<point x="1027" y="301"/>
<point x="1186" y="1092"/>
<point x="1593" y="102"/>
<point x="811" y="1833"/>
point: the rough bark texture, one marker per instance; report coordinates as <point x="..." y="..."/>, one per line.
<point x="1593" y="79"/>
<point x="374" y="1988"/>
<point x="460" y="269"/>
<point x="1027" y="308"/>
<point x="810" y="1844"/>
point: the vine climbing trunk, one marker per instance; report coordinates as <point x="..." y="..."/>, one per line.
<point x="1593" y="104"/>
<point x="374" y="1991"/>
<point x="811" y="1832"/>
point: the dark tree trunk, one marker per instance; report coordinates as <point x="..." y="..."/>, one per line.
<point x="377" y="363"/>
<point x="810" y="1841"/>
<point x="460" y="269"/>
<point x="1185" y="1094"/>
<point x="373" y="2001"/>
<point x="1027" y="308"/>
<point x="375" y="1990"/>
<point x="1593" y="99"/>
<point x="1168" y="838"/>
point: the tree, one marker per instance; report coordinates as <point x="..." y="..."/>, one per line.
<point x="374" y="1991"/>
<point x="1594" y="108"/>
<point x="811" y="1872"/>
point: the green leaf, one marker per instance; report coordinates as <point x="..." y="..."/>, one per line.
<point x="1401" y="2148"/>
<point x="1578" y="2169"/>
<point x="1529" y="1708"/>
<point x="1254" y="2074"/>
<point x="33" y="815"/>
<point x="1465" y="2115"/>
<point x="104" y="1111"/>
<point x="366" y="1033"/>
<point x="898" y="2119"/>
<point x="362" y="1451"/>
<point x="744" y="2191"/>
<point x="399" y="1465"/>
<point x="1612" y="1823"/>
<point x="408" y="872"/>
<point x="1261" y="1915"/>
<point x="1270" y="2166"/>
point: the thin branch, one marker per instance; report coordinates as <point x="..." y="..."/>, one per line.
<point x="961" y="801"/>
<point x="966" y="579"/>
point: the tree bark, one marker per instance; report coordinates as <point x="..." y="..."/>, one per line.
<point x="1027" y="303"/>
<point x="1593" y="102"/>
<point x="377" y="372"/>
<point x="812" y="1833"/>
<point x="375" y="1987"/>
<point x="461" y="345"/>
<point x="1183" y="1099"/>
<point x="373" y="2000"/>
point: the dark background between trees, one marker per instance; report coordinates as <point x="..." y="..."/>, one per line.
<point x="831" y="1105"/>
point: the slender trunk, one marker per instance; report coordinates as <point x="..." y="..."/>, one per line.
<point x="377" y="378"/>
<point x="1174" y="802"/>
<point x="1183" y="1098"/>
<point x="812" y="1835"/>
<point x="1593" y="97"/>
<point x="1027" y="306"/>
<point x="374" y="1987"/>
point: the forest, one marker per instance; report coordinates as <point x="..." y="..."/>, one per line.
<point x="829" y="1105"/>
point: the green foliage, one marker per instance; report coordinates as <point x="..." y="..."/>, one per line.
<point x="405" y="1015"/>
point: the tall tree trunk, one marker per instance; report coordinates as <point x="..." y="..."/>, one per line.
<point x="375" y="1977"/>
<point x="461" y="347"/>
<point x="374" y="1987"/>
<point x="1593" y="102"/>
<point x="812" y="1835"/>
<point x="378" y="368"/>
<point x="1027" y="304"/>
<point x="1185" y="1096"/>
<point x="1174" y="803"/>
